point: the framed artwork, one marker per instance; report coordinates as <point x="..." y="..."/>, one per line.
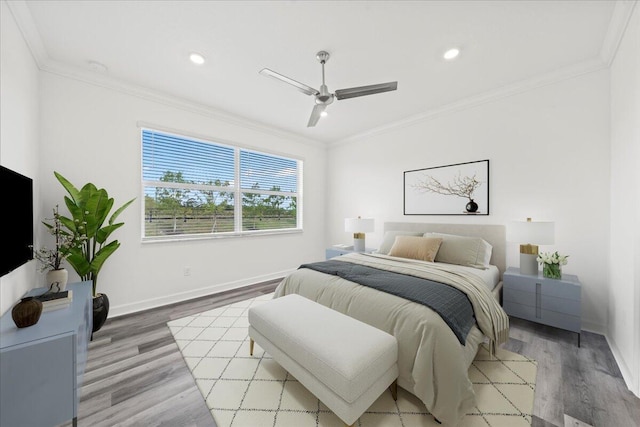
<point x="458" y="189"/>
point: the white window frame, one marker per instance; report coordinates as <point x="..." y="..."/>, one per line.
<point x="236" y="189"/>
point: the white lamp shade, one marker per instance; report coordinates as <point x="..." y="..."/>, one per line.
<point x="537" y="233"/>
<point x="359" y="225"/>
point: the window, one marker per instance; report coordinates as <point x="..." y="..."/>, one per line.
<point x="197" y="188"/>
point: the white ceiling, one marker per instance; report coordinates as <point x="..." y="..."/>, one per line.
<point x="147" y="43"/>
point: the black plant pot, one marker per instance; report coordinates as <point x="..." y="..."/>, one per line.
<point x="100" y="311"/>
<point x="472" y="206"/>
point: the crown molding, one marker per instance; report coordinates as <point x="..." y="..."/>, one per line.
<point x="108" y="82"/>
<point x="617" y="26"/>
<point x="24" y="20"/>
<point x="539" y="81"/>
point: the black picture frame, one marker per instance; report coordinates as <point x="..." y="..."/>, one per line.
<point x="443" y="190"/>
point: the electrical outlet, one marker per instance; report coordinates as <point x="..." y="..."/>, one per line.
<point x="187" y="271"/>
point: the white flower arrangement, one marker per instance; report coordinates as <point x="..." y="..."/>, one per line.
<point x="552" y="258"/>
<point x="551" y="264"/>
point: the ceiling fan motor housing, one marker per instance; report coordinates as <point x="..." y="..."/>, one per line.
<point x="324" y="97"/>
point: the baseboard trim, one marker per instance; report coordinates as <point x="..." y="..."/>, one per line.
<point x="121" y="310"/>
<point x="594" y="327"/>
<point x="627" y="376"/>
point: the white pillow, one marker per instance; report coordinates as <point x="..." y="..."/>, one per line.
<point x="463" y="250"/>
<point x="389" y="239"/>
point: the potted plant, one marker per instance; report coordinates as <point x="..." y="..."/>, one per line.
<point x="91" y="226"/>
<point x="51" y="259"/>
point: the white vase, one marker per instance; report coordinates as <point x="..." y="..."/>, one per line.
<point x="57" y="279"/>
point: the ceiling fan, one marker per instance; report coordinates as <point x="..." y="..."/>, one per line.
<point x="323" y="97"/>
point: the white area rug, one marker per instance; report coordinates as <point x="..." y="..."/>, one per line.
<point x="251" y="391"/>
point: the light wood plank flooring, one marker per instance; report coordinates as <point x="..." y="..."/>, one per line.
<point x="135" y="374"/>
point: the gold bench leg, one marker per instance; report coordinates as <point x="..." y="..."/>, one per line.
<point x="394" y="390"/>
<point x="250" y="346"/>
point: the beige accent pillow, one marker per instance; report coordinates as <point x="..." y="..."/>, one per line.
<point x="416" y="247"/>
<point x="390" y="238"/>
<point x="463" y="250"/>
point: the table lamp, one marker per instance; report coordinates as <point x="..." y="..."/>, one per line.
<point x="534" y="234"/>
<point x="358" y="226"/>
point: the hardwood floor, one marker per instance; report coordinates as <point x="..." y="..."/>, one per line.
<point x="135" y="374"/>
<point x="582" y="383"/>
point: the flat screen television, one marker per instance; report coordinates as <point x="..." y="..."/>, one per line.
<point x="17" y="220"/>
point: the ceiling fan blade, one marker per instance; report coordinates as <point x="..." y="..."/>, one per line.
<point x="365" y="90"/>
<point x="315" y="114"/>
<point x="300" y="86"/>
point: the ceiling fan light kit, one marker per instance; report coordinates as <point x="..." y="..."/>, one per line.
<point x="451" y="54"/>
<point x="323" y="97"/>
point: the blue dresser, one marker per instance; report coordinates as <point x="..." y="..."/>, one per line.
<point x="41" y="366"/>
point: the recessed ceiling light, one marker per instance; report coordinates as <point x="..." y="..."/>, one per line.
<point x="324" y="114"/>
<point x="451" y="54"/>
<point x="196" y="58"/>
<point x="97" y="66"/>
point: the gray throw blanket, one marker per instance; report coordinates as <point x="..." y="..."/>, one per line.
<point x="451" y="304"/>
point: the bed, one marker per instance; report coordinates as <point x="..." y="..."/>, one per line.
<point x="433" y="360"/>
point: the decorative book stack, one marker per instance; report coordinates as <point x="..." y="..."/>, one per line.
<point x="55" y="300"/>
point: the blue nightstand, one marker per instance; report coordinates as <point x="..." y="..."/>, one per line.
<point x="334" y="251"/>
<point x="553" y="302"/>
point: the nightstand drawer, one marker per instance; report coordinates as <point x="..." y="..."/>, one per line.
<point x="561" y="305"/>
<point x="548" y="287"/>
<point x="547" y="317"/>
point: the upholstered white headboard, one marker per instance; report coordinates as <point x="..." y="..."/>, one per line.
<point x="494" y="234"/>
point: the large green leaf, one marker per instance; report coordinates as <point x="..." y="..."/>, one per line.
<point x="103" y="234"/>
<point x="79" y="263"/>
<point x="100" y="257"/>
<point x="71" y="189"/>
<point x="75" y="211"/>
<point x="119" y="210"/>
<point x="96" y="210"/>
<point x="68" y="223"/>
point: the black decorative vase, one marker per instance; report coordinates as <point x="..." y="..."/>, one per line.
<point x="100" y="311"/>
<point x="472" y="206"/>
<point x="27" y="312"/>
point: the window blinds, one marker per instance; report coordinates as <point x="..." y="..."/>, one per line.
<point x="192" y="187"/>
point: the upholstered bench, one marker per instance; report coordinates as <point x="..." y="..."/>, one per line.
<point x="344" y="362"/>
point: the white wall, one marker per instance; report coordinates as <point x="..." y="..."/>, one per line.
<point x="19" y="133"/>
<point x="90" y="133"/>
<point x="549" y="160"/>
<point x="624" y="291"/>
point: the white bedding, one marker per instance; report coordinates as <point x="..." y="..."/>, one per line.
<point x="490" y="276"/>
<point x="433" y="364"/>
